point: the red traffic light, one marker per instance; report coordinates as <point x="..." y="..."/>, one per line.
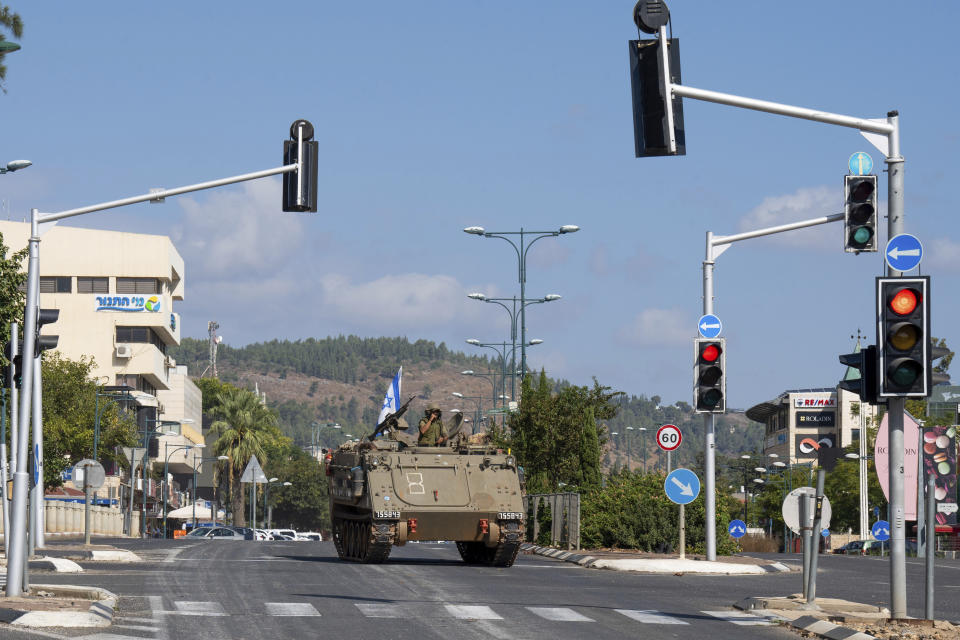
<point x="904" y="301"/>
<point x="710" y="353"/>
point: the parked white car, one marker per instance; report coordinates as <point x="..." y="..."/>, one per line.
<point x="283" y="534"/>
<point x="309" y="536"/>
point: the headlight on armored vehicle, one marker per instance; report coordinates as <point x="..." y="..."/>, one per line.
<point x="509" y="461"/>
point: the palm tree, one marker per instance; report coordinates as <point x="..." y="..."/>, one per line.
<point x="242" y="428"/>
<point x="14" y="24"/>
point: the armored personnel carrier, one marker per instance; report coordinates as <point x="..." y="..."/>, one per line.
<point x="387" y="491"/>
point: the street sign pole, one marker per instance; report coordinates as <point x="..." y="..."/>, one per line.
<point x="896" y="406"/>
<point x="683" y="533"/>
<point x="815" y="552"/>
<point x="709" y="444"/>
<point x="86" y="508"/>
<point x="931" y="551"/>
<point x="806" y="529"/>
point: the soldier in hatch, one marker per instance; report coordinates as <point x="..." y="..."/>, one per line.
<point x="432" y="432"/>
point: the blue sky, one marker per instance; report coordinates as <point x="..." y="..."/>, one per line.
<point x="434" y="116"/>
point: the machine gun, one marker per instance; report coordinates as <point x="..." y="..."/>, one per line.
<point x="391" y="421"/>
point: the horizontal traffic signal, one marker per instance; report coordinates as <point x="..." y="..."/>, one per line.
<point x="903" y="337"/>
<point x="709" y="381"/>
<point x="864" y="384"/>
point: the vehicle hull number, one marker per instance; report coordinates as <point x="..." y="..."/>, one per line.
<point x="386" y="515"/>
<point x="510" y="515"/>
<point x="669" y="437"/>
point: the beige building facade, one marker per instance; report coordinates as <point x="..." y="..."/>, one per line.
<point x="116" y="293"/>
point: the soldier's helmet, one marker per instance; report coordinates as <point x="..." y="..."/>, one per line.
<point x="433" y="406"/>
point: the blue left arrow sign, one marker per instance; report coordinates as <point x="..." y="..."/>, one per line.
<point x="709" y="326"/>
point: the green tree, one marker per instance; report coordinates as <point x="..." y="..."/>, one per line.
<point x="12" y="22"/>
<point x="304" y="504"/>
<point x="243" y="428"/>
<point x="12" y="279"/>
<point x="69" y="406"/>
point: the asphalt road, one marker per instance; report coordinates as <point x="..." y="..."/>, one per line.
<point x="254" y="590"/>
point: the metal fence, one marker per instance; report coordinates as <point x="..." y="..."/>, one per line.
<point x="559" y="511"/>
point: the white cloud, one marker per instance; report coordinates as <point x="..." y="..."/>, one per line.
<point x="658" y="327"/>
<point x="238" y="232"/>
<point x="944" y="254"/>
<point x="803" y="204"/>
<point x="396" y="302"/>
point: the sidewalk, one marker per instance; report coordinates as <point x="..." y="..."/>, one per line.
<point x="57" y="605"/>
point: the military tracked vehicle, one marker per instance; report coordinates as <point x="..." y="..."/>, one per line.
<point x="387" y="491"/>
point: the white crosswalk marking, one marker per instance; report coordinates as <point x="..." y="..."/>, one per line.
<point x="559" y="614"/>
<point x="469" y="612"/>
<point x="650" y="617"/>
<point x="382" y="610"/>
<point x="134" y="627"/>
<point x="192" y="608"/>
<point x="739" y="617"/>
<point x="290" y="609"/>
<point x="108" y="636"/>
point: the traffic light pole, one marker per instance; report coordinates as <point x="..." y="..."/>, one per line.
<point x="896" y="405"/>
<point x="39" y="222"/>
<point x="885" y="135"/>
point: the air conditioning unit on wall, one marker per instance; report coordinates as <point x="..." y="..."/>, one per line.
<point x="124" y="351"/>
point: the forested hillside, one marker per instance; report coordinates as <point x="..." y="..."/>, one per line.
<point x="343" y="380"/>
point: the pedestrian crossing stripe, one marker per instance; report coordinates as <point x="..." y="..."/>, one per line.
<point x="650" y="617"/>
<point x="290" y="609"/>
<point x="457" y="611"/>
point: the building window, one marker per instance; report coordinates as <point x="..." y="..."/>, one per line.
<point x="136" y="381"/>
<point x="139" y="285"/>
<point x="55" y="284"/>
<point x="140" y="335"/>
<point x="92" y="285"/>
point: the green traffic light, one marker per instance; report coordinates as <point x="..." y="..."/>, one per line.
<point x="903" y="373"/>
<point x="861" y="236"/>
<point x="710" y="398"/>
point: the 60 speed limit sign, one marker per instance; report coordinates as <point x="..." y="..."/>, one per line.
<point x="669" y="437"/>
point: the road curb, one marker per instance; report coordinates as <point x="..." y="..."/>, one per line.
<point x="96" y="555"/>
<point x="824" y="629"/>
<point x="59" y="565"/>
<point x="592" y="561"/>
<point x="99" y="614"/>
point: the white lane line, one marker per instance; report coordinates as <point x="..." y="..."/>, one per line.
<point x="739" y="617"/>
<point x="194" y="608"/>
<point x="471" y="612"/>
<point x="559" y="614"/>
<point x="650" y="617"/>
<point x="110" y="636"/>
<point x="382" y="610"/>
<point x="290" y="609"/>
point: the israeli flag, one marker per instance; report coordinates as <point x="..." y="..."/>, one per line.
<point x="391" y="401"/>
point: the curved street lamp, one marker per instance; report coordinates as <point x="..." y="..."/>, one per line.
<point x="166" y="485"/>
<point x="15" y="165"/>
<point x="268" y="512"/>
<point x="522" y="250"/>
<point x="213" y="505"/>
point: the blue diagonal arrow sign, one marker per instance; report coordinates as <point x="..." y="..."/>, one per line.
<point x="737" y="528"/>
<point x="880" y="530"/>
<point x="904" y="252"/>
<point x="682" y="486"/>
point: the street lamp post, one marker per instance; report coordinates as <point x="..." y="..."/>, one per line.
<point x="643" y="443"/>
<point x="522" y="251"/>
<point x="147" y="436"/>
<point x="514" y="314"/>
<point x="14" y="165"/>
<point x="315" y="428"/>
<point x="213" y="507"/>
<point x="268" y="511"/>
<point x="165" y="485"/>
<point x="491" y="378"/>
<point x="503" y="358"/>
<point x="108" y="391"/>
<point x="477" y="400"/>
